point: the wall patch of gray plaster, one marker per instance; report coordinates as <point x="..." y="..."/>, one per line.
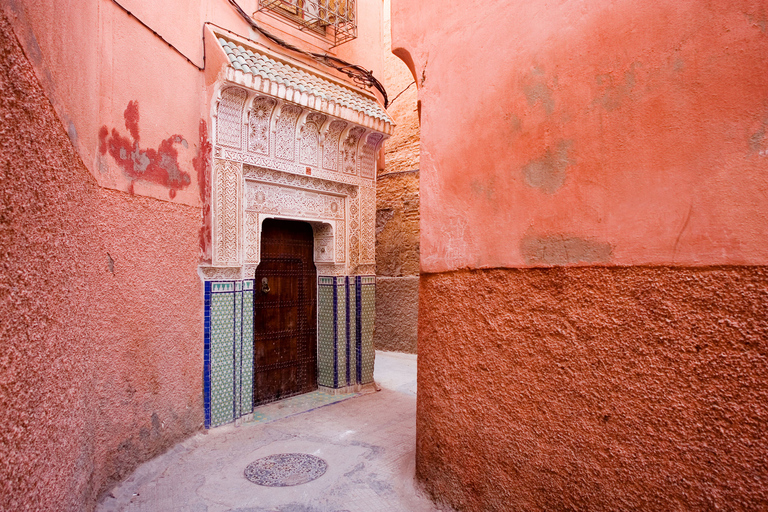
<point x="547" y="173"/>
<point x="563" y="249"/>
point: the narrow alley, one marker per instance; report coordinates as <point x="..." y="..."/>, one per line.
<point x="367" y="441"/>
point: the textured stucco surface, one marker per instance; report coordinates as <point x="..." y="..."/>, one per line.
<point x="397" y="314"/>
<point x="639" y="129"/>
<point x="101" y="313"/>
<point x="610" y="388"/>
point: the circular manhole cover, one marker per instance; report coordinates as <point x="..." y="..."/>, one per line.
<point x="285" y="469"/>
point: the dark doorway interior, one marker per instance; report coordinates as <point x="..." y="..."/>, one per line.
<point x="285" y="321"/>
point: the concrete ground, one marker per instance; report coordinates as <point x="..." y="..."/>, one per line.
<point x="368" y="441"/>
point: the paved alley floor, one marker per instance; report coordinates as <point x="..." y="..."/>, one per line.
<point x="367" y="440"/>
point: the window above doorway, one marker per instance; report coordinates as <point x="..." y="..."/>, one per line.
<point x="336" y="20"/>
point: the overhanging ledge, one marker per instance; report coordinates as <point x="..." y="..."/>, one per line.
<point x="263" y="71"/>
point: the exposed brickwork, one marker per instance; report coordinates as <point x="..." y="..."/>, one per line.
<point x="594" y="388"/>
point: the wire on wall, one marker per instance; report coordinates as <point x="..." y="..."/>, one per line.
<point x="129" y="13"/>
<point x="358" y="74"/>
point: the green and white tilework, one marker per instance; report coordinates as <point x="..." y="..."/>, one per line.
<point x="222" y="353"/>
<point x="352" y="339"/>
<point x="231" y="350"/>
<point x="325" y="336"/>
<point x="341" y="331"/>
<point x="368" y="313"/>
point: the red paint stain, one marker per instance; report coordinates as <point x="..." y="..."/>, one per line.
<point x="160" y="166"/>
<point x="202" y="164"/>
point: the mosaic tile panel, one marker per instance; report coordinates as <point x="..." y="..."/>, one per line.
<point x="352" y="320"/>
<point x="237" y="345"/>
<point x="246" y="396"/>
<point x="228" y="351"/>
<point x="367" y="315"/>
<point x="341" y="332"/>
<point x="325" y="331"/>
<point x="221" y="352"/>
<point x="207" y="354"/>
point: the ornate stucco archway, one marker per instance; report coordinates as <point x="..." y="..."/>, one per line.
<point x="289" y="143"/>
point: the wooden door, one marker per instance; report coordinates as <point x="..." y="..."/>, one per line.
<point x="285" y="321"/>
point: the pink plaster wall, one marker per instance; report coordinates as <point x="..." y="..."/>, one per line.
<point x="101" y="308"/>
<point x="105" y="157"/>
<point x="623" y="144"/>
<point x="616" y="132"/>
<point x="95" y="62"/>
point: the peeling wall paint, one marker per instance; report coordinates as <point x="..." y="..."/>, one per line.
<point x="160" y="166"/>
<point x="202" y="164"/>
<point x="563" y="250"/>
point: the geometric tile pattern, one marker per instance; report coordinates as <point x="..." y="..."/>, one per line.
<point x="351" y="342"/>
<point x="345" y="309"/>
<point x="345" y="354"/>
<point x="228" y="351"/>
<point x="341" y="332"/>
<point x="326" y="337"/>
<point x="367" y="290"/>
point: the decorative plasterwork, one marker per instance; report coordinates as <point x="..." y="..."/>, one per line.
<point x="326" y="205"/>
<point x="229" y="126"/>
<point x="259" y="129"/>
<point x="268" y="74"/>
<point x="263" y="131"/>
<point x="227" y="187"/>
<point x="276" y="159"/>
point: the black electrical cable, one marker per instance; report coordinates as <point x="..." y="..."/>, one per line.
<point x="358" y="74"/>
<point x="129" y="13"/>
<point x="401" y="92"/>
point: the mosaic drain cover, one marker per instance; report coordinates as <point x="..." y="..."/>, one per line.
<point x="285" y="469"/>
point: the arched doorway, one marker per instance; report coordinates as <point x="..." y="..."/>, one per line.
<point x="284" y="312"/>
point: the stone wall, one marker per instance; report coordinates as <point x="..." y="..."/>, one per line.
<point x="397" y="212"/>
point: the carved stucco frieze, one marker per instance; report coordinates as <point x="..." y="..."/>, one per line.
<point x="285" y="132"/>
<point x="259" y="120"/>
<point x="227" y="178"/>
<point x="229" y="117"/>
<point x="349" y="150"/>
<point x="280" y="160"/>
<point x="331" y="146"/>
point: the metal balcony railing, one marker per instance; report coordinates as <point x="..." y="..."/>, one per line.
<point x="336" y="20"/>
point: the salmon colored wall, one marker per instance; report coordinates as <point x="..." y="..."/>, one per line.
<point x="594" y="388"/>
<point x="105" y="156"/>
<point x="617" y="132"/>
<point x="622" y="145"/>
<point x="101" y="308"/>
<point x="96" y="62"/>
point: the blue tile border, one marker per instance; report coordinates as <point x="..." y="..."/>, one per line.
<point x="346" y="287"/>
<point x="207" y="354"/>
<point x="335" y="333"/>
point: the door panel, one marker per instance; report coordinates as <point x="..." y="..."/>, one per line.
<point x="285" y="331"/>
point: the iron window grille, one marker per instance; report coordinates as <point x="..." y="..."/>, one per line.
<point x="336" y="20"/>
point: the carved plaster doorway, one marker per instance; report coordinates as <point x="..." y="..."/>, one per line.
<point x="285" y="312"/>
